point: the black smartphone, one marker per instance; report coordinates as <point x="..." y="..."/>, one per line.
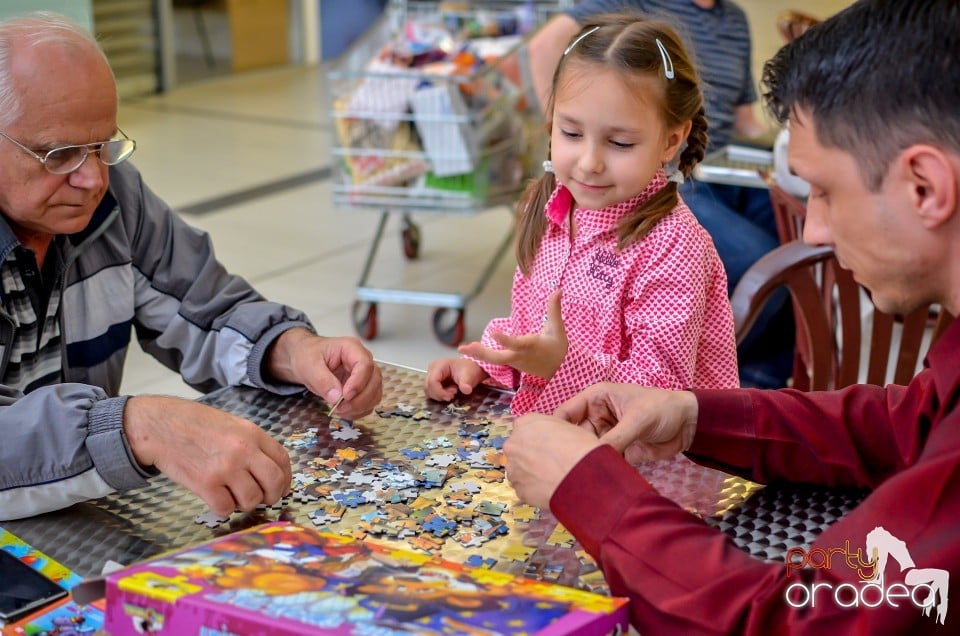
<point x="22" y="589"/>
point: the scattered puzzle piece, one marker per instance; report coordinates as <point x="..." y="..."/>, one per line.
<point x="210" y="519"/>
<point x="525" y="513"/>
<point x="518" y="552"/>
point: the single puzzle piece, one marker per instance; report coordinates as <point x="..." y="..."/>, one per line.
<point x="352" y="498"/>
<point x="437" y="442"/>
<point x="415" y="452"/>
<point x="469" y="539"/>
<point x="491" y="476"/>
<point x="456" y="410"/>
<point x="438" y="525"/>
<point x="493" y="508"/>
<point x="303" y="439"/>
<point x="561" y="537"/>
<point x="441" y="460"/>
<point x="479" y="561"/>
<point x="350" y="454"/>
<point x="210" y="519"/>
<point x="473" y="429"/>
<point x="346" y="433"/>
<point x="339" y="422"/>
<point x="396" y="409"/>
<point x="496" y="441"/>
<point x="518" y="552"/>
<point x="471" y="487"/>
<point x="525" y="513"/>
<point x="328" y="513"/>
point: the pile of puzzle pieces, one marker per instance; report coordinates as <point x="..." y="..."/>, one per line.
<point x="428" y="495"/>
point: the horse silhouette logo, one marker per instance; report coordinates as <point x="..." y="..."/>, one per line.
<point x="882" y="546"/>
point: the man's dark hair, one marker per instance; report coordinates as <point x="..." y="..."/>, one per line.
<point x="879" y="76"/>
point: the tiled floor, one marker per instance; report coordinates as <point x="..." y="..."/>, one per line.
<point x="239" y="157"/>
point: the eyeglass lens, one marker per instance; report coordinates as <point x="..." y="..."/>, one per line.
<point x="69" y="158"/>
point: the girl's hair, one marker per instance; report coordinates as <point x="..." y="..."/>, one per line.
<point x="627" y="43"/>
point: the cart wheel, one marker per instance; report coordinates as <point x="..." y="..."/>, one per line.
<point x="411" y="240"/>
<point x="448" y="326"/>
<point x="365" y="319"/>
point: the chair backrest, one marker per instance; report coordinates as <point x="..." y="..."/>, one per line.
<point x="831" y="311"/>
<point x="788" y="211"/>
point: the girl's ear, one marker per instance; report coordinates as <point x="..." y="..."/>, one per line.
<point x="675" y="139"/>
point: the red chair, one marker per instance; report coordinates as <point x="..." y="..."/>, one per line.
<point x="831" y="311"/>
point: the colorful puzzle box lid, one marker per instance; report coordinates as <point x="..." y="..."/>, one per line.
<point x="281" y="578"/>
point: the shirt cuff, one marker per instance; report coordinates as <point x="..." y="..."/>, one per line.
<point x="593" y="496"/>
<point x="109" y="449"/>
<point x="724" y="430"/>
<point x="258" y="358"/>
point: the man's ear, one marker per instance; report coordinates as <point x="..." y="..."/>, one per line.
<point x="933" y="177"/>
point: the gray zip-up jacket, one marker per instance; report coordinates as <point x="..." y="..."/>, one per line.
<point x="137" y="266"/>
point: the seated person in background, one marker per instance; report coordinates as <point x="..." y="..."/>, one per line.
<point x="616" y="279"/>
<point x="739" y="219"/>
<point x="89" y="253"/>
<point x="890" y="206"/>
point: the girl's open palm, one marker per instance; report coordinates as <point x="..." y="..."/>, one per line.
<point x="538" y="354"/>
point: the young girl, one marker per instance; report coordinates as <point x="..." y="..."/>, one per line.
<point x="616" y="280"/>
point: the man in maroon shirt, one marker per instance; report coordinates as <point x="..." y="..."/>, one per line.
<point x="872" y="98"/>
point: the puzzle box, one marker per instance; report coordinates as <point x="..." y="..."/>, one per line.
<point x="281" y="578"/>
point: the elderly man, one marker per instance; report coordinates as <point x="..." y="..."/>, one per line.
<point x="871" y="97"/>
<point x="87" y="253"/>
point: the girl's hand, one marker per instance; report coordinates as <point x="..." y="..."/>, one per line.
<point x="537" y="354"/>
<point x="448" y="375"/>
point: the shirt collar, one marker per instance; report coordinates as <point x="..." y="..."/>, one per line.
<point x="944" y="360"/>
<point x="561" y="201"/>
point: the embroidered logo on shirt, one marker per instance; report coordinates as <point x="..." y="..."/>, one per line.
<point x="603" y="258"/>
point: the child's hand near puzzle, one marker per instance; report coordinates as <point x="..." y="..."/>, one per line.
<point x="538" y="354"/>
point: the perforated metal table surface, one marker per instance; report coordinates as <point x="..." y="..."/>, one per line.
<point x="128" y="527"/>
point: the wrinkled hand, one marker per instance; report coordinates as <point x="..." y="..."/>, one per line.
<point x="540" y="452"/>
<point x="448" y="375"/>
<point x="329" y="367"/>
<point x="538" y="354"/>
<point x="641" y="422"/>
<point x="229" y="462"/>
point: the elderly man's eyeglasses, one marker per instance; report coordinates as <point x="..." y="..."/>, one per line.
<point x="66" y="159"/>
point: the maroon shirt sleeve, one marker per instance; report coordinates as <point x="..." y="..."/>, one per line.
<point x="682" y="576"/>
<point x="856" y="437"/>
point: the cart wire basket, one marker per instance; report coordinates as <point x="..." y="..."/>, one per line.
<point x="434" y="112"/>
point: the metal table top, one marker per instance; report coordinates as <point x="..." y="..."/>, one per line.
<point x="735" y="165"/>
<point x="131" y="526"/>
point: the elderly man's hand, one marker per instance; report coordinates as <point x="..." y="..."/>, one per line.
<point x="329" y="367"/>
<point x="540" y="452"/>
<point x="229" y="462"/>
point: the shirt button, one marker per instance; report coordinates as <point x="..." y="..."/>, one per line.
<point x="553" y="284"/>
<point x="544" y="318"/>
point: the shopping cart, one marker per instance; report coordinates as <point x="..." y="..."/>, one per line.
<point x="431" y="120"/>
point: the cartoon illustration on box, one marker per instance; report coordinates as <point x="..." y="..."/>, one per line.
<point x="282" y="572"/>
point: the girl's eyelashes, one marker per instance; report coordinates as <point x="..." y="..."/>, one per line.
<point x="622" y="145"/>
<point x="569" y="134"/>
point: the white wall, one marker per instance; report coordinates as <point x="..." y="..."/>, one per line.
<point x="79" y="10"/>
